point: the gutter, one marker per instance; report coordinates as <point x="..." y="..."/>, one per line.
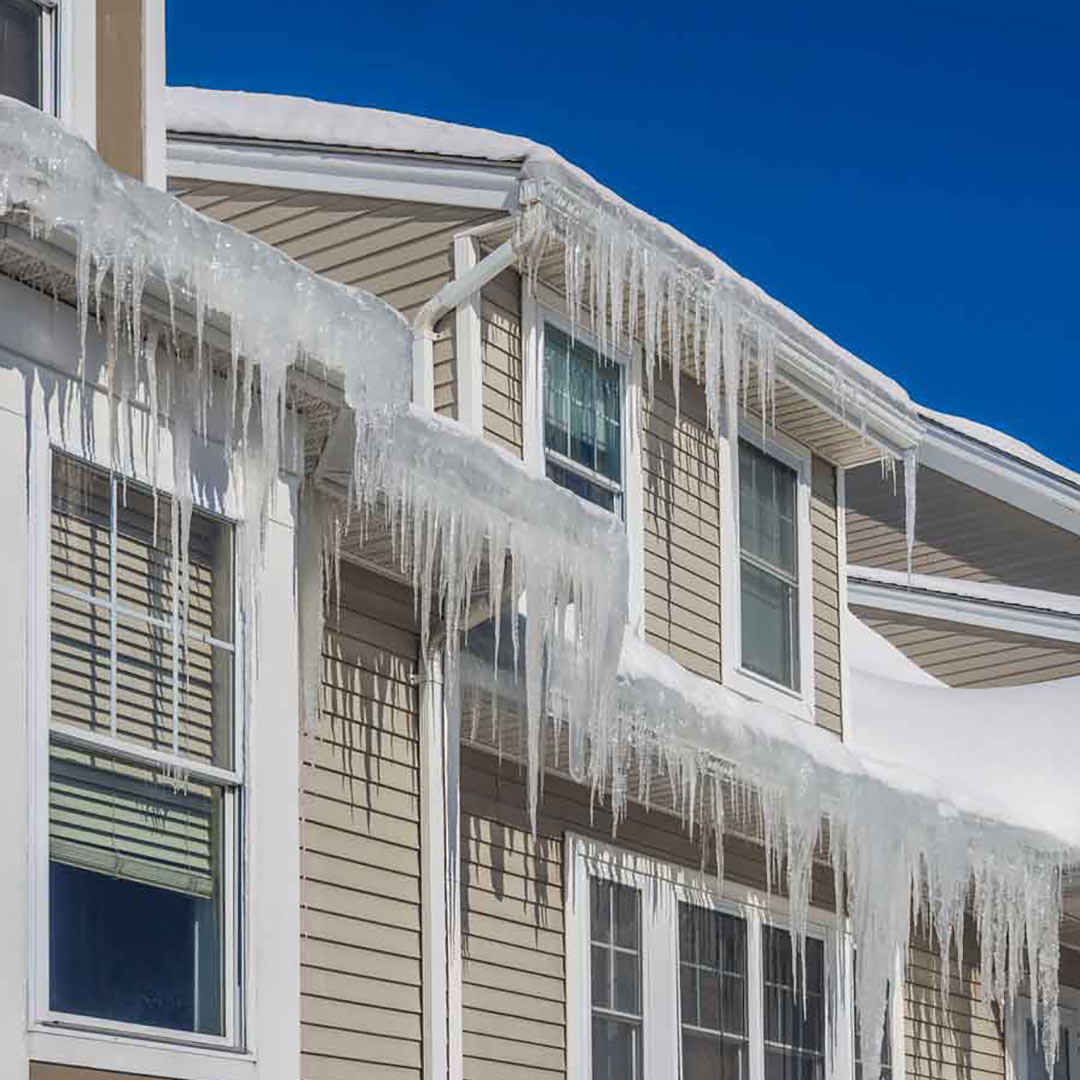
<point x="446" y="299"/>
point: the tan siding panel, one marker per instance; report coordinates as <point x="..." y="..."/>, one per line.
<point x="680" y="469"/>
<point x="120" y="84"/>
<point x="826" y="593"/>
<point x="973" y="656"/>
<point x="360" y="951"/>
<point x="500" y="338"/>
<point x="960" y="532"/>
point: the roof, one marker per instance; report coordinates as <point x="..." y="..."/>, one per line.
<point x="282" y="118"/>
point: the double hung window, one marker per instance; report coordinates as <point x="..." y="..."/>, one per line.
<point x="615" y="947"/>
<point x="144" y="776"/>
<point x="769" y="566"/>
<point x="582" y="419"/>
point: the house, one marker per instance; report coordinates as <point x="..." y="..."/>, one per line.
<point x="458" y="627"/>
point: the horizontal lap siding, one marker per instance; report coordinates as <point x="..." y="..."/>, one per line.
<point x="681" y="477"/>
<point x="513" y="977"/>
<point x="960" y="532"/>
<point x="973" y="656"/>
<point x="500" y="336"/>
<point x="360" y="952"/>
<point x="959" y="1039"/>
<point x="826" y="593"/>
<point x="400" y="251"/>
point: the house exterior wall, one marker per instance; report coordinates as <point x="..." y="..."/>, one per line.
<point x="500" y="336"/>
<point x="120" y="90"/>
<point x="960" y="532"/>
<point x="360" y="843"/>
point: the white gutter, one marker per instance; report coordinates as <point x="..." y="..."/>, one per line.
<point x="1007" y="608"/>
<point x="446" y="299"/>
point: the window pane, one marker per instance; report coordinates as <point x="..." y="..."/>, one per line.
<point x="767" y="508"/>
<point x="706" y="1057"/>
<point x="556" y="391"/>
<point x="794" y="1037"/>
<point x="1036" y="1059"/>
<point x="594" y="493"/>
<point x="20" y="51"/>
<point x="136" y="898"/>
<point x="608" y="425"/>
<point x="583" y="392"/>
<point x="769" y="625"/>
<point x="616" y="1049"/>
<point x="615" y="929"/>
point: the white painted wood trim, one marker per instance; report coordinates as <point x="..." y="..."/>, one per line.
<point x="634" y="491"/>
<point x="532" y="381"/>
<point x="380" y="176"/>
<point x="847" y="718"/>
<point x="468" y="347"/>
<point x="154" y="167"/>
<point x="1033" y="612"/>
<point x="76" y="62"/>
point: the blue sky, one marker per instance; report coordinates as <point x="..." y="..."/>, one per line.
<point x="906" y="175"/>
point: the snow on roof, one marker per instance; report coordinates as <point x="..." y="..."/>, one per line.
<point x="999" y="441"/>
<point x="1005" y="752"/>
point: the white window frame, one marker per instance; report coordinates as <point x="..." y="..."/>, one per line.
<point x="1016" y="1060"/>
<point x="798" y="703"/>
<point x="235" y="1001"/>
<point x="663" y="886"/>
<point x="545" y="306"/>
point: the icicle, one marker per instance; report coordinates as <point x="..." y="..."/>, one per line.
<point x="911" y="469"/>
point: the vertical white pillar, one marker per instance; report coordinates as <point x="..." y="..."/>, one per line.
<point x="468" y="346"/>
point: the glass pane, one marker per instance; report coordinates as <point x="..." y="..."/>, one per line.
<point x="769" y="626"/>
<point x="583" y="393"/>
<point x="79" y="531"/>
<point x="136" y="898"/>
<point x="709" y="1057"/>
<point x="795" y="1038"/>
<point x="594" y="493"/>
<point x="608" y="425"/>
<point x="627" y="995"/>
<point x="616" y="1049"/>
<point x="767" y="508"/>
<point x="556" y="391"/>
<point x="1036" y="1059"/>
<point x="20" y="51"/>
<point x="712" y="961"/>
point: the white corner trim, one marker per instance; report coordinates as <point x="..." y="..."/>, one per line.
<point x="153" y="75"/>
<point x="1008" y="608"/>
<point x="381" y="176"/>
<point x="468" y="346"/>
<point x="996" y="473"/>
<point x="75" y="58"/>
<point x="800" y="703"/>
<point x="847" y="719"/>
<point x="634" y="492"/>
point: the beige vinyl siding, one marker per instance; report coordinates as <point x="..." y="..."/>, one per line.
<point x="119" y="105"/>
<point x="44" y="1070"/>
<point x="513" y="952"/>
<point x="826" y="594"/>
<point x="960" y="1042"/>
<point x="360" y="951"/>
<point x="960" y="532"/>
<point x="401" y="251"/>
<point x="972" y="655"/>
<point x="681" y="477"/>
<point x="500" y="336"/>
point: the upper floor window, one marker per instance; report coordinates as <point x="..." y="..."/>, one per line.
<point x="769" y="566"/>
<point x="144" y="777"/>
<point x="582" y="419"/>
<point x="25" y="51"/>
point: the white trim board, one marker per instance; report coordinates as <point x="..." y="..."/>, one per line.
<point x="999" y="474"/>
<point x="1004" y="608"/>
<point x="380" y="176"/>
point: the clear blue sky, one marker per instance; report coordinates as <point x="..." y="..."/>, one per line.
<point x="906" y="175"/>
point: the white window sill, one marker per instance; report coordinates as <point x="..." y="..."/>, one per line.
<point x="795" y="703"/>
<point x="134" y="1056"/>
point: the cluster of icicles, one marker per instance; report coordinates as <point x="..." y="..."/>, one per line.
<point x="477" y="533"/>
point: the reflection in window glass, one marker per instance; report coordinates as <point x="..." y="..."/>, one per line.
<point x="768" y="567"/>
<point x="616" y="981"/>
<point x="712" y="995"/>
<point x="794" y="1036"/>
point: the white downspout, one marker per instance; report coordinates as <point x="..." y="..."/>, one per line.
<point x="446" y="299"/>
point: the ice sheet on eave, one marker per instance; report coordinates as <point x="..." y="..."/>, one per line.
<point x="295" y="119"/>
<point x="1007" y="753"/>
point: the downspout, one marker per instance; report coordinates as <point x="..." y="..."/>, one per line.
<point x="446" y="299"/>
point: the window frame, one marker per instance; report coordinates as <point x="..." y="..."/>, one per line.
<point x="233" y="783"/>
<point x="49" y="53"/>
<point x="796" y="456"/>
<point x="623" y="362"/>
<point x="1016" y="1061"/>
<point x="664" y="886"/>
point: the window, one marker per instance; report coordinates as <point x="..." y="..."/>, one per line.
<point x="615" y="945"/>
<point x="582" y="419"/>
<point x="24" y="32"/>
<point x="1025" y="1047"/>
<point x="769" y="576"/>
<point x="143" y="771"/>
<point x="677" y="979"/>
<point x="886" y="1071"/>
<point x="712" y="994"/>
